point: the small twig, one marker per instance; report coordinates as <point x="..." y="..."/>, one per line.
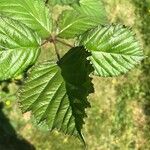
<point x="45" y="42"/>
<point x="53" y="40"/>
<point x="56" y="50"/>
<point x="60" y="41"/>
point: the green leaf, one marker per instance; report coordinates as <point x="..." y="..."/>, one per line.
<point x="114" y="49"/>
<point x="62" y="2"/>
<point x="57" y="95"/>
<point x="75" y="70"/>
<point x="86" y="15"/>
<point x="19" y="48"/>
<point x="32" y="13"/>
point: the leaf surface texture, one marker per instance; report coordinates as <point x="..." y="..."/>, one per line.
<point x="32" y="13"/>
<point x="19" y="48"/>
<point x="114" y="49"/>
<point x="86" y="15"/>
<point x="57" y="94"/>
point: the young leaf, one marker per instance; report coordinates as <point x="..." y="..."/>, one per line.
<point x="19" y="48"/>
<point x="114" y="50"/>
<point x="86" y="15"/>
<point x="54" y="95"/>
<point x="32" y="13"/>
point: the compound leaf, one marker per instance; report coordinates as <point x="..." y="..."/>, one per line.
<point x="54" y="95"/>
<point x="86" y="15"/>
<point x="114" y="50"/>
<point x="19" y="48"/>
<point x="32" y="13"/>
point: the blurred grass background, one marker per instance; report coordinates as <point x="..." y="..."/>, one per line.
<point x="119" y="118"/>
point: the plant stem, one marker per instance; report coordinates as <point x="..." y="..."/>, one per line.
<point x="56" y="50"/>
<point x="60" y="41"/>
<point x="54" y="40"/>
<point x="45" y="42"/>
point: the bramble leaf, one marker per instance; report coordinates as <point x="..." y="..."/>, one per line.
<point x="32" y="13"/>
<point x="114" y="49"/>
<point x="57" y="94"/>
<point x="86" y="15"/>
<point x="19" y="48"/>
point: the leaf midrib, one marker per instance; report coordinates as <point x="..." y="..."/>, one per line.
<point x="32" y="16"/>
<point x="111" y="53"/>
<point x="79" y="18"/>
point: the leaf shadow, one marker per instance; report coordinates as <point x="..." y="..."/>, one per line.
<point x="76" y="70"/>
<point x="9" y="140"/>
